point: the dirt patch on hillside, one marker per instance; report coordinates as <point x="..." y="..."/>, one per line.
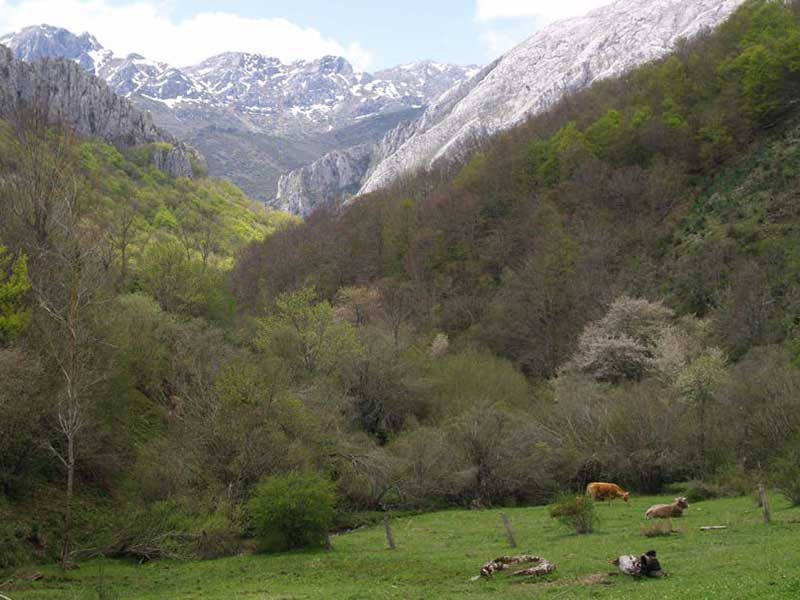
<point x="588" y="580"/>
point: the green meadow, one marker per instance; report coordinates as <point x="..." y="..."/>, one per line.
<point x="437" y="555"/>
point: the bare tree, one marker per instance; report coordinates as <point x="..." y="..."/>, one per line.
<point x="397" y="304"/>
<point x="199" y="232"/>
<point x="121" y="234"/>
<point x="45" y="213"/>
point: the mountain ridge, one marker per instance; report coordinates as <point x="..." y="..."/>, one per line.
<point x="560" y="59"/>
<point x="275" y="117"/>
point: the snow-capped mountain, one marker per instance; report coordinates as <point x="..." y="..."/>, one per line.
<point x="560" y="59"/>
<point x="254" y="117"/>
<point x="319" y="90"/>
<point x="45" y="41"/>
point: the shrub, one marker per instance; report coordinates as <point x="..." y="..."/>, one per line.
<point x="293" y="511"/>
<point x="658" y="529"/>
<point x="574" y="511"/>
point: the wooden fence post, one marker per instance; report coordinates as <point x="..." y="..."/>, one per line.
<point x="389" y="536"/>
<point x="764" y="500"/>
<point x="509" y="531"/>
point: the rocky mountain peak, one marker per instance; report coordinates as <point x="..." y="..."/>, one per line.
<point x="43" y="41"/>
<point x="335" y="65"/>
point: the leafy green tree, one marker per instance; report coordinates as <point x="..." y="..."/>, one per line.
<point x="308" y="335"/>
<point x="606" y="136"/>
<point x="141" y="330"/>
<point x="15" y="314"/>
<point x="698" y="385"/>
<point x="555" y="158"/>
<point x="770" y="51"/>
<point x="182" y="284"/>
<point x="785" y="472"/>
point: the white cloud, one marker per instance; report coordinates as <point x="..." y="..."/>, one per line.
<point x="148" y="28"/>
<point x="547" y="10"/>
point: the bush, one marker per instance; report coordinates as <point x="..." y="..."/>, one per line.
<point x="293" y="511"/>
<point x="658" y="529"/>
<point x="576" y="512"/>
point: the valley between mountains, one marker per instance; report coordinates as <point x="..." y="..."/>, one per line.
<point x="288" y="329"/>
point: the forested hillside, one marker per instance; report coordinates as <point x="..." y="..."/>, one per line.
<point x="94" y="244"/>
<point x="603" y="293"/>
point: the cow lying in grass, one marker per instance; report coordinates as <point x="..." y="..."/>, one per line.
<point x="605" y="491"/>
<point x="667" y="511"/>
<point x="645" y="565"/>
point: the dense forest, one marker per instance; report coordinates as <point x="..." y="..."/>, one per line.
<point x="610" y="291"/>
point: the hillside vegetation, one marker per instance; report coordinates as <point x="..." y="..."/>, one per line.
<point x="609" y="292"/>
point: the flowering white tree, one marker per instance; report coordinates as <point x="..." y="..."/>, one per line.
<point x="633" y="340"/>
<point x="440" y="345"/>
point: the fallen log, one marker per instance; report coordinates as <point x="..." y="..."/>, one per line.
<point x="713" y="527"/>
<point x="540" y="566"/>
<point x="544" y="567"/>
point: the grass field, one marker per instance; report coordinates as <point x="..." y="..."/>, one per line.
<point x="438" y="553"/>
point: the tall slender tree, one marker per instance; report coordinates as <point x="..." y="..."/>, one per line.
<point x="48" y="218"/>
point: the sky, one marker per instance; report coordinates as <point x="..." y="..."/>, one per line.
<point x="372" y="34"/>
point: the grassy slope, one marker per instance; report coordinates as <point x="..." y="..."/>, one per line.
<point x="438" y="553"/>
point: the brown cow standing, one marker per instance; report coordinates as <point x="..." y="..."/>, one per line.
<point x="605" y="491"/>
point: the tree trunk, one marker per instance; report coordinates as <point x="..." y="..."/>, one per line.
<point x="702" y="441"/>
<point x="67" y="547"/>
<point x="509" y="531"/>
<point x="123" y="270"/>
<point x="389" y="535"/>
<point x="764" y="499"/>
<point x="71" y="421"/>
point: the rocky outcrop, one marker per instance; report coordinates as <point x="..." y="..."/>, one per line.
<point x="66" y="93"/>
<point x="329" y="181"/>
<point x="173" y="160"/>
<point x="560" y="59"/>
